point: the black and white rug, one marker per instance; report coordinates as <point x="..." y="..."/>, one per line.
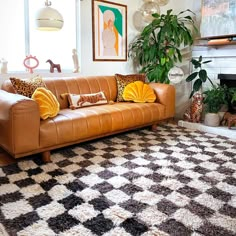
<point x="171" y="182"/>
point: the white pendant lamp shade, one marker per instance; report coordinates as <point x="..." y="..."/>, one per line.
<point x="49" y="19"/>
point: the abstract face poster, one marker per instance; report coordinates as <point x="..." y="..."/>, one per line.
<point x="109" y="31"/>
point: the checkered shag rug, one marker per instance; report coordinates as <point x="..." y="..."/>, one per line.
<point x="173" y="181"/>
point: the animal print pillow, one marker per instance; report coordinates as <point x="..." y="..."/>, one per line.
<point x="83" y="100"/>
<point x="26" y="87"/>
<point x="123" y="80"/>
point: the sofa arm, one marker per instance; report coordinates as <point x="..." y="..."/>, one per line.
<point x="165" y="95"/>
<point x="19" y="124"/>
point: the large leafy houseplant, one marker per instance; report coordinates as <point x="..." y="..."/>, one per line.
<point x="157" y="48"/>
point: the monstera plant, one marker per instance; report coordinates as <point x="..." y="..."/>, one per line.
<point x="157" y="48"/>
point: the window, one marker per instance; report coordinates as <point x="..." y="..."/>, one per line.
<point x="19" y="37"/>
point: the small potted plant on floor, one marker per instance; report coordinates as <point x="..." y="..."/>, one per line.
<point x="214" y="99"/>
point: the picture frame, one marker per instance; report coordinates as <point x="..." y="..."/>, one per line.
<point x="109" y="26"/>
<point x="218" y="18"/>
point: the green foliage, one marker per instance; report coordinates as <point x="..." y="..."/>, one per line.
<point x="200" y="76"/>
<point x="214" y="98"/>
<point x="156" y="49"/>
<point x="232" y="95"/>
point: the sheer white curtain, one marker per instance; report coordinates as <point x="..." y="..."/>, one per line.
<point x="12" y="37"/>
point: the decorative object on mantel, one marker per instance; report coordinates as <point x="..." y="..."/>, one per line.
<point x="75" y="61"/>
<point x="54" y="66"/>
<point x="27" y="64"/>
<point x="3" y="66"/>
<point x="214" y="41"/>
<point x="194" y="112"/>
<point x="48" y="19"/>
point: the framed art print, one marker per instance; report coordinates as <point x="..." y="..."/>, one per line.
<point x="218" y="18"/>
<point x="109" y="31"/>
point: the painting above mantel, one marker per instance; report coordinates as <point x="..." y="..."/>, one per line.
<point x="218" y="18"/>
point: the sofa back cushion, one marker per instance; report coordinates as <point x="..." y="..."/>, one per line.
<point x="79" y="85"/>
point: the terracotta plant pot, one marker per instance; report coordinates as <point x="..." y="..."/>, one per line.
<point x="212" y="119"/>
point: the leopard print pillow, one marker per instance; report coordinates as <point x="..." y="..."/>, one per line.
<point x="26" y="87"/>
<point x="123" y="80"/>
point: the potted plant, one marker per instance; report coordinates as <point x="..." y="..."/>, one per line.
<point x="214" y="98"/>
<point x="199" y="76"/>
<point x="157" y="48"/>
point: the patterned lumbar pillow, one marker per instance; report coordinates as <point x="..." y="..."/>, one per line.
<point x="139" y="92"/>
<point x="123" y="80"/>
<point x="26" y="87"/>
<point x="82" y="100"/>
<point x="48" y="104"/>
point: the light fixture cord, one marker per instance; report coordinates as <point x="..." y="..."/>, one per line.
<point x="48" y="3"/>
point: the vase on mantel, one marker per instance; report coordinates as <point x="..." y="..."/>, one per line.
<point x="212" y="119"/>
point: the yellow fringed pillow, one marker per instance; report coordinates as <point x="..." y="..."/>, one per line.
<point x="48" y="104"/>
<point x="139" y="92"/>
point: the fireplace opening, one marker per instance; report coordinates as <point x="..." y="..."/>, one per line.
<point x="227" y="79"/>
<point x="230" y="81"/>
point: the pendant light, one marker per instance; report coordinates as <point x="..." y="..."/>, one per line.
<point x="48" y="18"/>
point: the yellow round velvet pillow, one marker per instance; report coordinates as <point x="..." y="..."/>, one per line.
<point x="48" y="104"/>
<point x="139" y="92"/>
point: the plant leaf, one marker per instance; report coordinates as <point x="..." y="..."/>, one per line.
<point x="205" y="62"/>
<point x="191" y="77"/>
<point x="203" y="75"/>
<point x="197" y="85"/>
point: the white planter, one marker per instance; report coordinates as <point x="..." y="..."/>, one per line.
<point x="212" y="119"/>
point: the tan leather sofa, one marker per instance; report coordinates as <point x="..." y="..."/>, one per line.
<point x="22" y="133"/>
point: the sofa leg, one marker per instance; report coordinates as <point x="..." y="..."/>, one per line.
<point x="154" y="128"/>
<point x="46" y="156"/>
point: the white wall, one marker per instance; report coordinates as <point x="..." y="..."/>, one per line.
<point x="223" y="60"/>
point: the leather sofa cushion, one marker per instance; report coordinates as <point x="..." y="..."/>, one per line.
<point x="75" y="125"/>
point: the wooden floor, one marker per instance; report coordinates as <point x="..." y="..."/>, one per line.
<point x="6" y="159"/>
